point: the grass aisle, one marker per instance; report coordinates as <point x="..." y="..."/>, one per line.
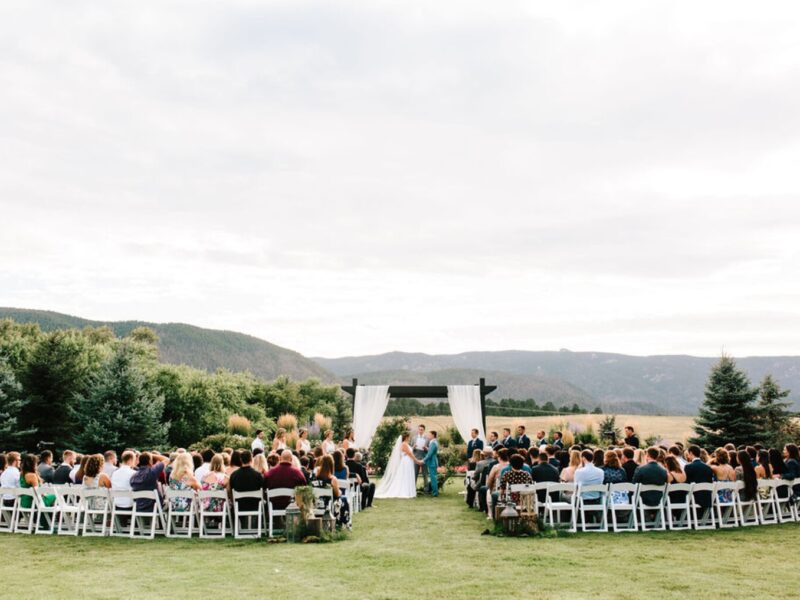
<point x="422" y="548"/>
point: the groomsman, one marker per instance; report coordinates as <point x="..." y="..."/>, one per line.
<point x="523" y="441"/>
<point x="475" y="443"/>
<point x="420" y="450"/>
<point x="557" y="441"/>
<point x="541" y="439"/>
<point x="493" y="441"/>
<point x="508" y="440"/>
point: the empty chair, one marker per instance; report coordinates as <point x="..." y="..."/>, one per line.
<point x="650" y="505"/>
<point x="248" y="514"/>
<point x="622" y="506"/>
<point x="95" y="509"/>
<point x="725" y="503"/>
<point x="181" y="512"/>
<point x="214" y="514"/>
<point x="747" y="507"/>
<point x="273" y="512"/>
<point x="25" y="517"/>
<point x="783" y="501"/>
<point x="679" y="506"/>
<point x="560" y="498"/>
<point x="703" y="506"/>
<point x="592" y="511"/>
<point x="70" y="509"/>
<point x="766" y="501"/>
<point x="8" y="513"/>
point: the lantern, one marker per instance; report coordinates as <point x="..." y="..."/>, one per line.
<point x="293" y="522"/>
<point x="510" y="518"/>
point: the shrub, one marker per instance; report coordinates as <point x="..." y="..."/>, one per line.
<point x="288" y="422"/>
<point x="239" y="425"/>
<point x="323" y="423"/>
<point x="384" y="440"/>
<point x="449" y="436"/>
<point x="218" y="441"/>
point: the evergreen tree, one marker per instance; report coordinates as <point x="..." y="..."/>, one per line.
<point x="728" y="413"/>
<point x="11" y="403"/>
<point x="774" y="417"/>
<point x="120" y="408"/>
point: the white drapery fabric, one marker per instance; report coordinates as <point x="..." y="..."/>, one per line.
<point x="465" y="404"/>
<point x="370" y="404"/>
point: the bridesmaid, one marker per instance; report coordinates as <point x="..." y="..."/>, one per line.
<point x="303" y="445"/>
<point x="349" y="440"/>
<point x="279" y="443"/>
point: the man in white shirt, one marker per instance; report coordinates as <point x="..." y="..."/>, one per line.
<point x="110" y="464"/>
<point x="203" y="469"/>
<point x="258" y="442"/>
<point x="75" y="467"/>
<point x="121" y="479"/>
<point x="588" y="474"/>
<point x="10" y="477"/>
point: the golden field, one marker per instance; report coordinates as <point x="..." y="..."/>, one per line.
<point x="667" y="428"/>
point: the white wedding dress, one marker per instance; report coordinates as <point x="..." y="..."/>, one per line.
<point x="400" y="478"/>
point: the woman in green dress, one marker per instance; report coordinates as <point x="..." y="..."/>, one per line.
<point x="29" y="478"/>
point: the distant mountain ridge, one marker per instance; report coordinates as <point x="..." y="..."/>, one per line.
<point x="208" y="349"/>
<point x="669" y="384"/>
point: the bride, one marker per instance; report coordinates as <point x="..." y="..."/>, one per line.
<point x="399" y="479"/>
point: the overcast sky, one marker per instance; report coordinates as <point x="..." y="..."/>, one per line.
<point x="346" y="178"/>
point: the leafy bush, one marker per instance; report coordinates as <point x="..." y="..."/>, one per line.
<point x="587" y="437"/>
<point x="450" y="435"/>
<point x="609" y="425"/>
<point x="218" y="441"/>
<point x="239" y="425"/>
<point x="384" y="440"/>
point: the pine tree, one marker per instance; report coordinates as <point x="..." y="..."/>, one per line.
<point x="728" y="413"/>
<point x="774" y="417"/>
<point x="120" y="409"/>
<point x="11" y="403"/>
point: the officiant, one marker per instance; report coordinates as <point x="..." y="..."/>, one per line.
<point x="420" y="450"/>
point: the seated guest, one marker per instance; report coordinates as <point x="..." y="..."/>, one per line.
<point x="360" y="472"/>
<point x="76" y="474"/>
<point x="698" y="472"/>
<point x="479" y="475"/>
<point x="110" y="462"/>
<point x="543" y="472"/>
<point x="260" y="463"/>
<point x="284" y="475"/>
<point x="325" y="478"/>
<point x="236" y="462"/>
<point x="493" y="480"/>
<point x="305" y="467"/>
<point x="614" y="473"/>
<point x="629" y="464"/>
<point x="207" y="454"/>
<point x="182" y="478"/>
<point x="599" y="458"/>
<point x="61" y="474"/>
<point x="197" y="462"/>
<point x="477" y="455"/>
<point x="523" y="441"/>
<point x="475" y="443"/>
<point x="675" y="451"/>
<point x="776" y="463"/>
<point x="551" y="456"/>
<point x="763" y="468"/>
<point x="514" y="476"/>
<point x="29" y="478"/>
<point x="2" y="463"/>
<point x="791" y="454"/>
<point x="95" y="478"/>
<point x="675" y="473"/>
<point x="214" y="480"/>
<point x="567" y="474"/>
<point x="146" y="478"/>
<point x="273" y="459"/>
<point x="651" y="473"/>
<point x="340" y="470"/>
<point x="589" y="474"/>
<point x="10" y="477"/>
<point x="246" y="479"/>
<point x="45" y="469"/>
<point x="121" y="479"/>
<point x="747" y="473"/>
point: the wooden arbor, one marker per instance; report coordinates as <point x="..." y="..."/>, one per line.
<point x="426" y="391"/>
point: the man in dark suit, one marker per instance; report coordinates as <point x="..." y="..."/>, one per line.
<point x="508" y="440"/>
<point x="550" y="451"/>
<point x="494" y="442"/>
<point x="629" y="465"/>
<point x="631" y="439"/>
<point x="523" y="441"/>
<point x="61" y="474"/>
<point x="356" y="468"/>
<point x="475" y="443"/>
<point x="699" y="472"/>
<point x="247" y="479"/>
<point x="557" y="441"/>
<point x="544" y="471"/>
<point x="651" y="473"/>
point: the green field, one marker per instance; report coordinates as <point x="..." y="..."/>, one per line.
<point x="423" y="548"/>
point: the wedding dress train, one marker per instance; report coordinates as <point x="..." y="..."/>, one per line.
<point x="399" y="479"/>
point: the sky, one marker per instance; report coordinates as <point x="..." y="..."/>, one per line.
<point x="347" y="178"/>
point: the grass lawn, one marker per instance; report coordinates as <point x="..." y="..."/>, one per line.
<point x="423" y="548"/>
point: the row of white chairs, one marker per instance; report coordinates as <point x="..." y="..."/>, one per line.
<point x="624" y="506"/>
<point x="211" y="514"/>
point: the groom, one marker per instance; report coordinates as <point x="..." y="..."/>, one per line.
<point x="431" y="461"/>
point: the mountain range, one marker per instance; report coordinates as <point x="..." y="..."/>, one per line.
<point x="669" y="384"/>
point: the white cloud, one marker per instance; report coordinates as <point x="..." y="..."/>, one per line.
<point x="346" y="178"/>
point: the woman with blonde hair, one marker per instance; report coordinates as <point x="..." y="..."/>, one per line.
<point x="215" y="480"/>
<point x="303" y="445"/>
<point x="182" y="478"/>
<point x="568" y="473"/>
<point x="279" y="443"/>
<point x="260" y="463"/>
<point x="328" y="445"/>
<point x="349" y="440"/>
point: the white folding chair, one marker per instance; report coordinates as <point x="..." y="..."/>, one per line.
<point x="679" y="506"/>
<point x="180" y="523"/>
<point x="273" y="512"/>
<point x="356" y="487"/>
<point x="561" y="497"/>
<point x="528" y="501"/>
<point x="783" y="501"/>
<point x="324" y="501"/>
<point x="347" y="492"/>
<point x="658" y="521"/>
<point x="703" y="517"/>
<point x="748" y="509"/>
<point x="48" y="515"/>
<point x="28" y="514"/>
<point x="589" y="506"/>
<point x="622" y="499"/>
<point x="70" y="509"/>
<point x="8" y="513"/>
<point x="725" y="504"/>
<point x="145" y="523"/>
<point x="207" y="516"/>
<point x="121" y="516"/>
<point x="95" y="506"/>
<point x="766" y="502"/>
<point x="539" y="487"/>
<point x="248" y="531"/>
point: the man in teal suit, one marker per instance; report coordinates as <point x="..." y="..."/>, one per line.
<point x="431" y="461"/>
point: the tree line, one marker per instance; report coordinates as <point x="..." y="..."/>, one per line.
<point x="91" y="390"/>
<point x="507" y="407"/>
